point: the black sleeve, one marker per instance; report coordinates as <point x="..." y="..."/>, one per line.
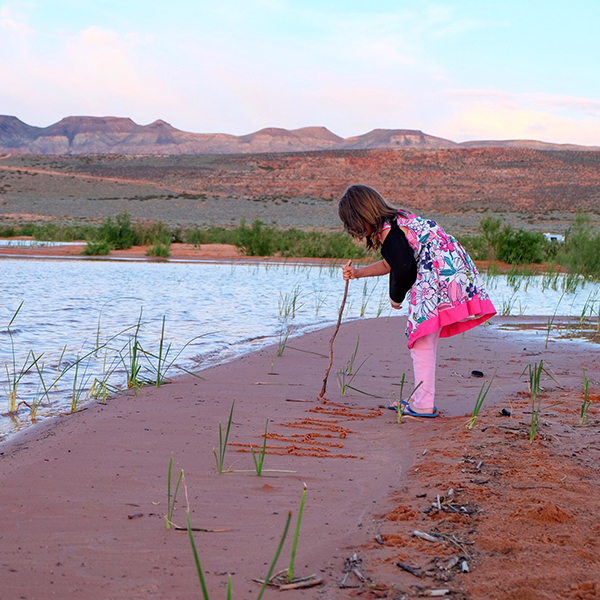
<point x="400" y="256"/>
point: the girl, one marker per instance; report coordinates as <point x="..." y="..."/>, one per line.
<point x="445" y="292"/>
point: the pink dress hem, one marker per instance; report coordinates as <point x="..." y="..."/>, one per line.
<point x="455" y="320"/>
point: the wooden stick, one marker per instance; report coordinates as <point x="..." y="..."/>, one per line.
<point x="426" y="536"/>
<point x="322" y="394"/>
<point x="301" y="584"/>
<point x="177" y="528"/>
<point x="410" y="569"/>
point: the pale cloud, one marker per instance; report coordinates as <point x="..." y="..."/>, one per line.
<point x="582" y="106"/>
<point x="497" y="114"/>
<point x="488" y="120"/>
<point x="12" y="22"/>
<point x="95" y="71"/>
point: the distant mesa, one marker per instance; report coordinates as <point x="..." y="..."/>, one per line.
<point x="116" y="135"/>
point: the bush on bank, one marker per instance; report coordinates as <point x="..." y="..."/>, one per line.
<point x="580" y="253"/>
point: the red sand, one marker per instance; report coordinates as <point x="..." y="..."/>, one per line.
<point x="178" y="251"/>
<point x="526" y="514"/>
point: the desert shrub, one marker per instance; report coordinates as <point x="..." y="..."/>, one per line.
<point x="517" y="247"/>
<point x="491" y="235"/>
<point x="159" y="249"/>
<point x="258" y="240"/>
<point x="581" y="251"/>
<point x="54" y="232"/>
<point x="476" y="246"/>
<point x="315" y="244"/>
<point x="211" y="235"/>
<point x="150" y="232"/>
<point x="194" y="236"/>
<point x="119" y="233"/>
<point x="97" y="249"/>
<point x="261" y="240"/>
<point x="8" y="231"/>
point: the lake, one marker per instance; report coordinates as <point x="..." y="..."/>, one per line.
<point x="81" y="319"/>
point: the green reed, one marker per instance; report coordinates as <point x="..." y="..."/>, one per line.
<point x="15" y="374"/>
<point x="289" y="303"/>
<point x="98" y="345"/>
<point x="346" y="375"/>
<point x="38" y="398"/>
<point x="383" y="303"/>
<point x="141" y="367"/>
<point x="534" y="374"/>
<point x="284" y="334"/>
<point x="583" y="413"/>
<point x="508" y="305"/>
<point x="366" y="296"/>
<point x="220" y="457"/>
<point x="483" y="392"/>
<point x="290" y="573"/>
<point x="101" y="388"/>
<point x="200" y="572"/>
<point x="258" y="462"/>
<point x="551" y="319"/>
<point x="163" y="365"/>
<point x="131" y="360"/>
<point x="80" y="385"/>
<point x="400" y="404"/>
<point x="320" y="297"/>
<point x="550" y="278"/>
<point x="171" y="499"/>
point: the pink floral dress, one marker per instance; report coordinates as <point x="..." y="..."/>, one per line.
<point x="448" y="295"/>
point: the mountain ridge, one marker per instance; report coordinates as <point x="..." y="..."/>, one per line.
<point x="121" y="135"/>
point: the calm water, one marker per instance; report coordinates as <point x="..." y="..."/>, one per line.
<point x="234" y="307"/>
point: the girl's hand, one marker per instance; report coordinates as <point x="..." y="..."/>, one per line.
<point x="395" y="305"/>
<point x="349" y="272"/>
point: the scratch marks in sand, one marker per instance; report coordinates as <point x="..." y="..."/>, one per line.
<point x="317" y="442"/>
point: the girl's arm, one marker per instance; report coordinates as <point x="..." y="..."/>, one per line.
<point x="375" y="270"/>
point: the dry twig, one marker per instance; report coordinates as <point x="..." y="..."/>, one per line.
<point x="337" y="328"/>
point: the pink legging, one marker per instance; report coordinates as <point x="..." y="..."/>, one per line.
<point x="423" y="354"/>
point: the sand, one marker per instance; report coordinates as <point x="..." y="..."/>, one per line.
<point x="85" y="496"/>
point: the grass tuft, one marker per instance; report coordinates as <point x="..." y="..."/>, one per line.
<point x="479" y="402"/>
<point x="583" y="413"/>
<point x="258" y="462"/>
<point x="290" y="573"/>
<point x="171" y="499"/>
<point x="346" y="375"/>
<point x="220" y="457"/>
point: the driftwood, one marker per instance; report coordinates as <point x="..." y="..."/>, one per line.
<point x="324" y="388"/>
<point x="279" y="580"/>
<point x="202" y="529"/>
<point x="409" y="569"/>
<point x="301" y="584"/>
<point x="350" y="566"/>
<point x="426" y="536"/>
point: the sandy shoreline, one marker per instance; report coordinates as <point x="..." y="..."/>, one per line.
<point x="69" y="486"/>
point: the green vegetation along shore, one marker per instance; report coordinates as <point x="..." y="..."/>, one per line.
<point x="494" y="240"/>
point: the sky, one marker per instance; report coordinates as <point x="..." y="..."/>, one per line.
<point x="457" y="69"/>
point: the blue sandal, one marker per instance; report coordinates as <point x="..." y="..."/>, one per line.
<point x="408" y="411"/>
<point x="404" y="404"/>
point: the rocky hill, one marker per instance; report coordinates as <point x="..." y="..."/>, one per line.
<point x="114" y="135"/>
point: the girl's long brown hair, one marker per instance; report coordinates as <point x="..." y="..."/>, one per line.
<point x="362" y="204"/>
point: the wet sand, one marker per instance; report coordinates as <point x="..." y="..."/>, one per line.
<point x="85" y="495"/>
